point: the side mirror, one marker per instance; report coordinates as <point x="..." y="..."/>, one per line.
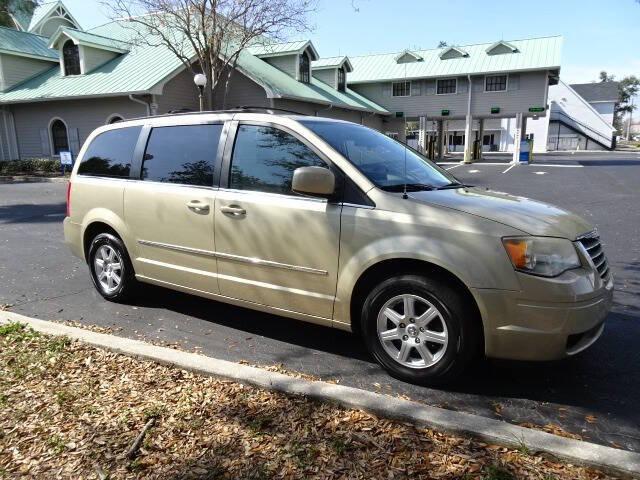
<point x="317" y="181"/>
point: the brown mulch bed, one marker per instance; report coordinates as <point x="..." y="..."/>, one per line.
<point x="68" y="410"/>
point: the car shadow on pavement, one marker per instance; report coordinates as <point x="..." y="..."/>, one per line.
<point x="30" y="213"/>
<point x="572" y="381"/>
<point x="253" y="322"/>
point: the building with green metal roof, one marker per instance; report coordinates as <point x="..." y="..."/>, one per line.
<point x="57" y="87"/>
<point x="58" y="82"/>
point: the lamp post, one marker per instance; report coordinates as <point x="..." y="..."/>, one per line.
<point x="201" y="81"/>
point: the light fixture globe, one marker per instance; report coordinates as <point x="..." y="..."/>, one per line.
<point x="200" y="80"/>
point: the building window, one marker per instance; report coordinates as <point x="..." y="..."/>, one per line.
<point x="304" y="68"/>
<point x="342" y="80"/>
<point x="495" y="83"/>
<point x="59" y="137"/>
<point x="447" y="86"/>
<point x="71" y="58"/>
<point x="401" y="89"/>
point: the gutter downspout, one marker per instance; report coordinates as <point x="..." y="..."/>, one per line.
<point x="141" y="102"/>
<point x="4" y="121"/>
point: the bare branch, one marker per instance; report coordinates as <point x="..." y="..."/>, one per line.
<point x="208" y="36"/>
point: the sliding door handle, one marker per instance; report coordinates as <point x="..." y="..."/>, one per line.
<point x="233" y="210"/>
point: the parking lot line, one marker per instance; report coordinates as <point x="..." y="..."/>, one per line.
<point x="475" y="163"/>
<point x="558" y="166"/>
<point x="455" y="166"/>
<point x="513" y="165"/>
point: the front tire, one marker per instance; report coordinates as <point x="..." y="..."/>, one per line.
<point x="111" y="269"/>
<point x="420" y="329"/>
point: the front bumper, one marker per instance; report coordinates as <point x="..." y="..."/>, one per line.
<point x="549" y="319"/>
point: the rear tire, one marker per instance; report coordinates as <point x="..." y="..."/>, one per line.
<point x="431" y="334"/>
<point x="111" y="269"/>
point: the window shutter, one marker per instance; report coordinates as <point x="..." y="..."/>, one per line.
<point x="416" y="88"/>
<point x="386" y="90"/>
<point x="463" y="85"/>
<point x="74" y="141"/>
<point x="478" y="84"/>
<point x="513" y="82"/>
<point x="44" y="142"/>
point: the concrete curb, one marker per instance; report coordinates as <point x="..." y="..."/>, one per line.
<point x="28" y="179"/>
<point x="494" y="431"/>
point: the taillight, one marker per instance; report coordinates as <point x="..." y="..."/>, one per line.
<point x="69" y="199"/>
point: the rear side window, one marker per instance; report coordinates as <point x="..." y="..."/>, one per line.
<point x="182" y="154"/>
<point x="110" y="153"/>
<point x="264" y="159"/>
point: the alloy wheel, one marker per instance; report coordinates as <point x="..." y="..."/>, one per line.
<point x="412" y="331"/>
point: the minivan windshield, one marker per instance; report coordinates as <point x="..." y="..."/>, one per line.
<point x="383" y="160"/>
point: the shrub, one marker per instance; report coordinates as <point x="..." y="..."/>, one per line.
<point x="30" y="165"/>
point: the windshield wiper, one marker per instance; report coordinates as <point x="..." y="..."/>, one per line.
<point x="451" y="185"/>
<point x="411" y="187"/>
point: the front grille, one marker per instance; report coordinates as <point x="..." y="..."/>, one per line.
<point x="592" y="245"/>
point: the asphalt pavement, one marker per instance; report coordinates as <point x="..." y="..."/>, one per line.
<point x="594" y="395"/>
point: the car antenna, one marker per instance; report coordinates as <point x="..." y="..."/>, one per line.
<point x="404" y="192"/>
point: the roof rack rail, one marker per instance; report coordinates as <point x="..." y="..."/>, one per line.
<point x="241" y="109"/>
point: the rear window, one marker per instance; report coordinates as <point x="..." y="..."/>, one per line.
<point x="110" y="153"/>
<point x="182" y="154"/>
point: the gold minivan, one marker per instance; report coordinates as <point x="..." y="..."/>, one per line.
<point x="337" y="224"/>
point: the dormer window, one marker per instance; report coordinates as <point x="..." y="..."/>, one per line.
<point x="407" y="56"/>
<point x="305" y="68"/>
<point x="71" y="58"/>
<point x="501" y="47"/>
<point x="342" y="79"/>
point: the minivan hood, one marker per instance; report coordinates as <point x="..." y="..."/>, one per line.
<point x="529" y="216"/>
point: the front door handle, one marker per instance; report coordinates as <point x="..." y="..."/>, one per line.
<point x="233" y="210"/>
<point x="198" y="206"/>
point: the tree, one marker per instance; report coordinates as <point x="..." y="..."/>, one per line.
<point x="208" y="36"/>
<point x="628" y="88"/>
<point x="605" y="77"/>
<point x="15" y="7"/>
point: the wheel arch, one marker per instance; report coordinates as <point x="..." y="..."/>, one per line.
<point x="387" y="268"/>
<point x="104" y="221"/>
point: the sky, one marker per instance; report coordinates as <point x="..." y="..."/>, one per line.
<point x="598" y="34"/>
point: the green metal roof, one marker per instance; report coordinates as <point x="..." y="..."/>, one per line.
<point x="136" y="72"/>
<point x="280" y="85"/>
<point x="531" y="54"/>
<point x="144" y="67"/>
<point x="285" y="48"/>
<point x="89" y="39"/>
<point x="331" y="62"/>
<point x="15" y="42"/>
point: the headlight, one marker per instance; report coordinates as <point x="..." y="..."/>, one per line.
<point x="545" y="256"/>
